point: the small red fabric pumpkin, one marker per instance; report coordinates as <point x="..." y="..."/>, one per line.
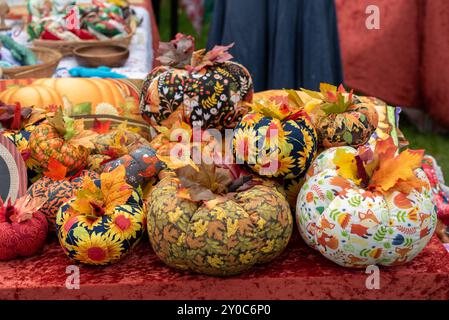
<point x="23" y="228"/>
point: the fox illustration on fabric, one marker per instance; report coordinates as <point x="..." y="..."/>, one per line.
<point x="324" y="239"/>
<point x="367" y="221"/>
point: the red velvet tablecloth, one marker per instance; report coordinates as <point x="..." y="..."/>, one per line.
<point x="300" y="273"/>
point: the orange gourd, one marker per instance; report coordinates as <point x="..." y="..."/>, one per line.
<point x="32" y="95"/>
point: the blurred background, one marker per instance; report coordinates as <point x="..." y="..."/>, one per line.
<point x="395" y="50"/>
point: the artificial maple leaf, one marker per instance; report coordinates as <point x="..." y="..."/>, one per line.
<point x="178" y="52"/>
<point x="24" y="208"/>
<point x="394" y="169"/>
<point x="295" y="99"/>
<point x="56" y="170"/>
<point x="58" y="122"/>
<point x="12" y="116"/>
<point x="201" y="58"/>
<point x="88" y="194"/>
<point x="116" y="191"/>
<point x="101" y="126"/>
<point x="206" y="183"/>
<point x="346" y="165"/>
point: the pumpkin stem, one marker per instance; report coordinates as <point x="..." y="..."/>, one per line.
<point x="98" y="211"/>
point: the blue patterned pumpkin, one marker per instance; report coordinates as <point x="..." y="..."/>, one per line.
<point x="273" y="146"/>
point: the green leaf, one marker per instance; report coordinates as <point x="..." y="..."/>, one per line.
<point x="82" y="108"/>
<point x="347" y="136"/>
<point x="329" y="195"/>
<point x="320" y="209"/>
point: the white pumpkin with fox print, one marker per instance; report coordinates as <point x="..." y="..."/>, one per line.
<point x="354" y="227"/>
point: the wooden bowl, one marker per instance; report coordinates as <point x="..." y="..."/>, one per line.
<point x="101" y="55"/>
<point x="49" y="61"/>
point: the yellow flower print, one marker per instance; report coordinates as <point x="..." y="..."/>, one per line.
<point x="97" y="249"/>
<point x="245" y="145"/>
<point x="123" y="225"/>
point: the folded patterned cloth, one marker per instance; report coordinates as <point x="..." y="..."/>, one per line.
<point x="440" y="195"/>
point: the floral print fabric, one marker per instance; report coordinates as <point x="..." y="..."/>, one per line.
<point x="285" y="152"/>
<point x="355" y="227"/>
<point x="103" y="240"/>
<point x="212" y="98"/>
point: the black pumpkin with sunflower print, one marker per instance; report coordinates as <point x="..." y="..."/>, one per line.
<point x="103" y="222"/>
<point x="203" y="89"/>
<point x="276" y="139"/>
<point x="217" y="221"/>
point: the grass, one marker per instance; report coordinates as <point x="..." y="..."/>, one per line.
<point x="184" y="26"/>
<point x="435" y="144"/>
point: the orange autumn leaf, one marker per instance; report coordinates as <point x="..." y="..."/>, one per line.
<point x="56" y="170"/>
<point x="114" y="188"/>
<point x="394" y="171"/>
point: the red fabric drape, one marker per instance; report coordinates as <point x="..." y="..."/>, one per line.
<point x="406" y="61"/>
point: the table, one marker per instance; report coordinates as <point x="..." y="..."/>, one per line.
<point x="299" y="273"/>
<point x="140" y="60"/>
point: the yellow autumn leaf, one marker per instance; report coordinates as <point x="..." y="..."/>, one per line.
<point x="326" y="87"/>
<point x="89" y="193"/>
<point x="346" y="165"/>
<point x="397" y="169"/>
<point x="116" y="191"/>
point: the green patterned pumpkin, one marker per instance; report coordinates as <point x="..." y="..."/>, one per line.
<point x="223" y="235"/>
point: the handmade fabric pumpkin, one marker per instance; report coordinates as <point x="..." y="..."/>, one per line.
<point x="63" y="139"/>
<point x="360" y="208"/>
<point x="276" y="139"/>
<point x="23" y="228"/>
<point x="103" y="222"/>
<point x="341" y="118"/>
<point x="203" y="89"/>
<point x="217" y="221"/>
<point x="141" y="165"/>
<point x="18" y="122"/>
<point x="56" y="192"/>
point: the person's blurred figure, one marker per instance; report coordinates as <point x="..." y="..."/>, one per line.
<point x="283" y="43"/>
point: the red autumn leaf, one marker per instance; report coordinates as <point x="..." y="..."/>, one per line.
<point x="56" y="170"/>
<point x="101" y="126"/>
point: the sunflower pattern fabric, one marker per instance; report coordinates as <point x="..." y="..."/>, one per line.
<point x="274" y="147"/>
<point x="103" y="240"/>
<point x="21" y="140"/>
<point x="212" y="98"/>
<point x="222" y="238"/>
